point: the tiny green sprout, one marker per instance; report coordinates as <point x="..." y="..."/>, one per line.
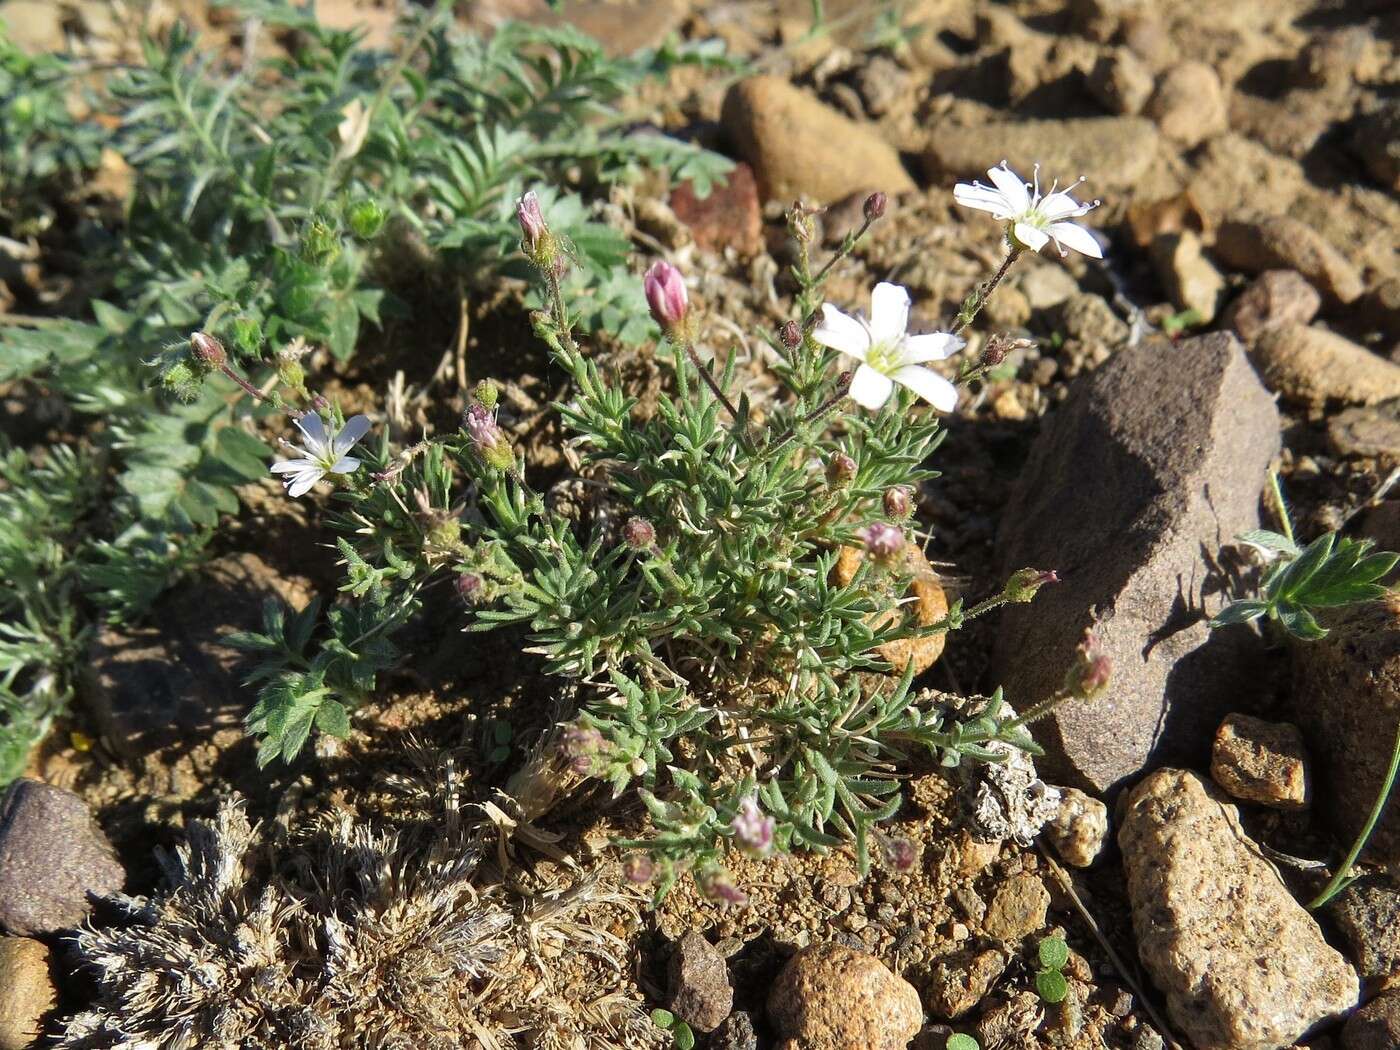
<point x="958" y="1041"/>
<point x="1054" y="953"/>
<point x="663" y="1019"/>
<point x="1179" y="322"/>
<point x="1051" y="986"/>
<point x="366" y="219"/>
<point x="1050" y="983"/>
<point x="685" y="1038"/>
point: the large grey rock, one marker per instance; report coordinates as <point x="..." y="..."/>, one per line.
<point x="1346" y="699"/>
<point x="53" y="857"/>
<point x="1155" y="462"/>
<point x="1242" y="963"/>
<point x="699" y="981"/>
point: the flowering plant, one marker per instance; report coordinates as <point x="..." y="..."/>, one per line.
<point x="739" y="605"/>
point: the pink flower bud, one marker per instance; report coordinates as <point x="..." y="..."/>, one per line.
<point x="469" y="587"/>
<point x="638" y="868"/>
<point x="875" y="206"/>
<point x="753" y="830"/>
<point x="718" y="884"/>
<point x="639" y="534"/>
<point x="897" y="502"/>
<point x="791" y="335"/>
<point x="840" y="468"/>
<point x="487" y="436"/>
<point x="898" y="852"/>
<point x="1089" y="675"/>
<point x="531" y="219"/>
<point x="1023" y="583"/>
<point x="882" y="540"/>
<point x="207" y="349"/>
<point x="666" y="296"/>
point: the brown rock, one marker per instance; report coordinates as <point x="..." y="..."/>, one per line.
<point x="26" y="992"/>
<point x="956" y="984"/>
<point x="1120" y="82"/>
<point x="1079" y="829"/>
<point x="1346" y="699"/>
<point x="1017" y="910"/>
<point x="830" y="997"/>
<point x="701" y="995"/>
<point x="1368" y="915"/>
<point x="34" y="26"/>
<point x="1116" y="151"/>
<point x="1376" y="140"/>
<point x="1261" y="761"/>
<point x="1242" y="964"/>
<point x="1273" y="298"/>
<point x="1156" y="457"/>
<point x="1381" y="524"/>
<point x="1234" y="174"/>
<point x="728" y="218"/>
<point x="1190" y="279"/>
<point x="623" y="28"/>
<point x="1368" y="431"/>
<point x="1281" y="242"/>
<point x="53" y="857"/>
<point x="930" y="605"/>
<point x="1376" y="1026"/>
<point x="1314" y="366"/>
<point x="1189" y="104"/>
<point x="788" y="136"/>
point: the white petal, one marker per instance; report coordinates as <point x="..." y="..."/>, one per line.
<point x="1010" y="184"/>
<point x="1029" y="236"/>
<point x="889" y="312"/>
<point x="1076" y="237"/>
<point x="842" y="332"/>
<point x="314" y="428"/>
<point x="983" y="199"/>
<point x="1061" y="206"/>
<point x="933" y="346"/>
<point x="930" y="386"/>
<point x="302" y="483"/>
<point x="292" y="466"/>
<point x="355" y="428"/>
<point x="345" y="465"/>
<point x="871" y="389"/>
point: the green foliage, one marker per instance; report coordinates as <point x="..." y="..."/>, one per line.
<point x="1053" y="953"/>
<point x="1331" y="571"/>
<point x="681" y="1034"/>
<point x="274" y="206"/>
<point x="959" y="1041"/>
<point x="1050" y="982"/>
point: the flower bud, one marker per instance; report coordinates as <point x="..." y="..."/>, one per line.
<point x="247" y="334"/>
<point x="801" y="224"/>
<point x="532" y="228"/>
<point x="289" y="370"/>
<point x="366" y="218"/>
<point x="719" y="885"/>
<point x="753" y="830"/>
<point x="486" y="394"/>
<point x="875" y="206"/>
<point x="897" y="503"/>
<point x="791" y="335"/>
<point x="898" y="852"/>
<point x="320" y="245"/>
<point x="469" y="586"/>
<point x="1023" y="583"/>
<point x="882" y="540"/>
<point x="320" y="404"/>
<point x="582" y="746"/>
<point x="639" y="534"/>
<point x="666" y="296"/>
<point x="638" y="869"/>
<point x="207" y="350"/>
<point x="1089" y="675"/>
<point x="840" y="468"/>
<point x="487" y="437"/>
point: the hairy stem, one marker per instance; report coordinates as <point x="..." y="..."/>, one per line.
<point x="1344" y="877"/>
<point x="974" y="303"/>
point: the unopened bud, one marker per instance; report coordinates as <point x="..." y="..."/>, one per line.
<point x="666" y="296"/>
<point x="208" y="350"/>
<point x="882" y="540"/>
<point x="289" y="370"/>
<point x="801" y="224"/>
<point x="875" y="206"/>
<point x="469" y="586"/>
<point x="639" y="534"/>
<point x="1089" y="675"/>
<point x="1023" y="583"/>
<point x="897" y="502"/>
<point x="753" y="829"/>
<point x="487" y="437"/>
<point x="366" y="218"/>
<point x="320" y="404"/>
<point x="486" y="394"/>
<point x="998" y="346"/>
<point x="638" y="868"/>
<point x="320" y="244"/>
<point x="582" y="746"/>
<point x="531" y="219"/>
<point x="719" y="885"/>
<point x="898" y="853"/>
<point x="791" y="335"/>
<point x="840" y="468"/>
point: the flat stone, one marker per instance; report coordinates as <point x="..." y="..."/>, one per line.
<point x="830" y="997"/>
<point x="1079" y="828"/>
<point x="1368" y="915"/>
<point x="1313" y="366"/>
<point x="958" y="983"/>
<point x="929" y="605"/>
<point x="1259" y="761"/>
<point x="34" y="26"/>
<point x="1376" y="1026"/>
<point x="1115" y="151"/>
<point x="1369" y="431"/>
<point x="1281" y="242"/>
<point x="729" y="217"/>
<point x="1346" y="700"/>
<point x="26" y="992"/>
<point x="787" y="136"/>
<point x="53" y="858"/>
<point x="700" y="993"/>
<point x="1275" y="297"/>
<point x="1154" y="462"/>
<point x="1017" y="910"/>
<point x="1242" y="964"/>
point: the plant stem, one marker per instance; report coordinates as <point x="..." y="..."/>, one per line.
<point x="709" y="379"/>
<point x="1280" y="507"/>
<point x="817" y="413"/>
<point x="1343" y="878"/>
<point x="978" y="299"/>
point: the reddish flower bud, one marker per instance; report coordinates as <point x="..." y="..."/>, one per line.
<point x="531" y="219"/>
<point x="753" y="830"/>
<point x="899" y="853"/>
<point x="719" y="885"/>
<point x="638" y="868"/>
<point x="639" y="534"/>
<point x="666" y="296"/>
<point x="897" y="503"/>
<point x="207" y="349"/>
<point x="469" y="587"/>
<point x="487" y="437"/>
<point x="1023" y="583"/>
<point x="1089" y="675"/>
<point x="875" y="206"/>
<point x="883" y="541"/>
<point x="791" y="335"/>
<point x="840" y="468"/>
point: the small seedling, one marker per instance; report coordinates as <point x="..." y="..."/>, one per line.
<point x="680" y="1031"/>
<point x="1050" y="981"/>
<point x="958" y="1041"/>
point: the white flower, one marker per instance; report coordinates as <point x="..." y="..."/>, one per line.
<point x="1032" y="220"/>
<point x="324" y="452"/>
<point x="887" y="354"/>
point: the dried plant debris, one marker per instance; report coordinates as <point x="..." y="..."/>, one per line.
<point x="350" y="934"/>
